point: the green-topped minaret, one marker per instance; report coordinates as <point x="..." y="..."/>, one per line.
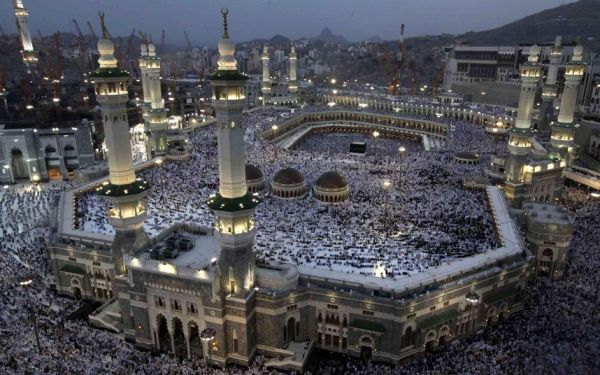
<point x="233" y="205"/>
<point x="125" y="192"/>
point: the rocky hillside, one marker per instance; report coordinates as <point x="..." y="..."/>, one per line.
<point x="579" y="20"/>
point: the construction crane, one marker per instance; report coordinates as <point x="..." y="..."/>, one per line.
<point x="131" y="62"/>
<point x="57" y="69"/>
<point x="189" y="51"/>
<point x="3" y="92"/>
<point x="92" y="29"/>
<point x="83" y="55"/>
<point x="161" y="48"/>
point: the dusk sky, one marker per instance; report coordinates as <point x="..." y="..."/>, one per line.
<point x="354" y="19"/>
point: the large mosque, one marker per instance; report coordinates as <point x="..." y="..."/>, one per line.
<point x="199" y="291"/>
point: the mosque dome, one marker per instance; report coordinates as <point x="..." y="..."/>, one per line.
<point x="466" y="157"/>
<point x="253" y="173"/>
<point x="144" y="49"/>
<point x="331" y="187"/>
<point x="288" y="183"/>
<point x="331" y="180"/>
<point x="255" y="180"/>
<point x="288" y="176"/>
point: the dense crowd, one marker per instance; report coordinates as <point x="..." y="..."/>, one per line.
<point x="424" y="218"/>
<point x="556" y="333"/>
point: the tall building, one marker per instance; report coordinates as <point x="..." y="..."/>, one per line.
<point x="29" y="54"/>
<point x="293" y="83"/>
<point x="266" y="76"/>
<point x="153" y="108"/>
<point x="125" y="193"/>
<point x="562" y="140"/>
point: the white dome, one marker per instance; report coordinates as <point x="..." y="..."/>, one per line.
<point x="144" y="49"/>
<point x="226" y="51"/>
<point x="534" y="53"/>
<point x="577" y="53"/>
<point x="151" y="50"/>
<point x="106" y="49"/>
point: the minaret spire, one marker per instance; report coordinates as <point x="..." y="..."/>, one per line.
<point x="225" y="12"/>
<point x="105" y="33"/>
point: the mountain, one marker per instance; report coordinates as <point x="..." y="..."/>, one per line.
<point x="327" y="36"/>
<point x="578" y="20"/>
<point x="375" y="39"/>
<point x="280" y="39"/>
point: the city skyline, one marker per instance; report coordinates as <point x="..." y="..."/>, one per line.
<point x="349" y="18"/>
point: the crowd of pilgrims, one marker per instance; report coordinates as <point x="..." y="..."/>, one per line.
<point x="556" y="333"/>
<point x="423" y="219"/>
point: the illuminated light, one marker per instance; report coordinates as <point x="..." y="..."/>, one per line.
<point x="387" y="184"/>
<point x="595" y="195"/>
<point x="26" y="282"/>
<point x="274" y="127"/>
<point x="29" y="106"/>
<point x="375" y="134"/>
<point x="167" y="268"/>
<point x="333" y="81"/>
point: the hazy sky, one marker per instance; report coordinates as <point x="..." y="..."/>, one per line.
<point x="249" y="19"/>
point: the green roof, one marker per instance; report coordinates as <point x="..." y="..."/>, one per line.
<point x="219" y="203"/>
<point x="523" y="131"/>
<point x="112" y="190"/>
<point x="70" y="268"/>
<point x="439" y="318"/>
<point x="562" y="125"/>
<point x="109" y="72"/>
<point x="496" y="295"/>
<point x="367" y="325"/>
<point x="228" y="75"/>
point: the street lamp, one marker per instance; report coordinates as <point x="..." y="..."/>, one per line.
<point x="26" y="283"/>
<point x="473" y="299"/>
<point x="207" y="336"/>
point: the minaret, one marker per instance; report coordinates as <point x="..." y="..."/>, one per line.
<point x="266" y="78"/>
<point x="562" y="140"/>
<point x="233" y="205"/>
<point x="29" y="54"/>
<point x="125" y="193"/>
<point x="519" y="143"/>
<point x="293" y="84"/>
<point x="155" y="113"/>
<point x="142" y="62"/>
<point x="550" y="89"/>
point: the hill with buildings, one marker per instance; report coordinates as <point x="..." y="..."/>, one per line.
<point x="574" y="21"/>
